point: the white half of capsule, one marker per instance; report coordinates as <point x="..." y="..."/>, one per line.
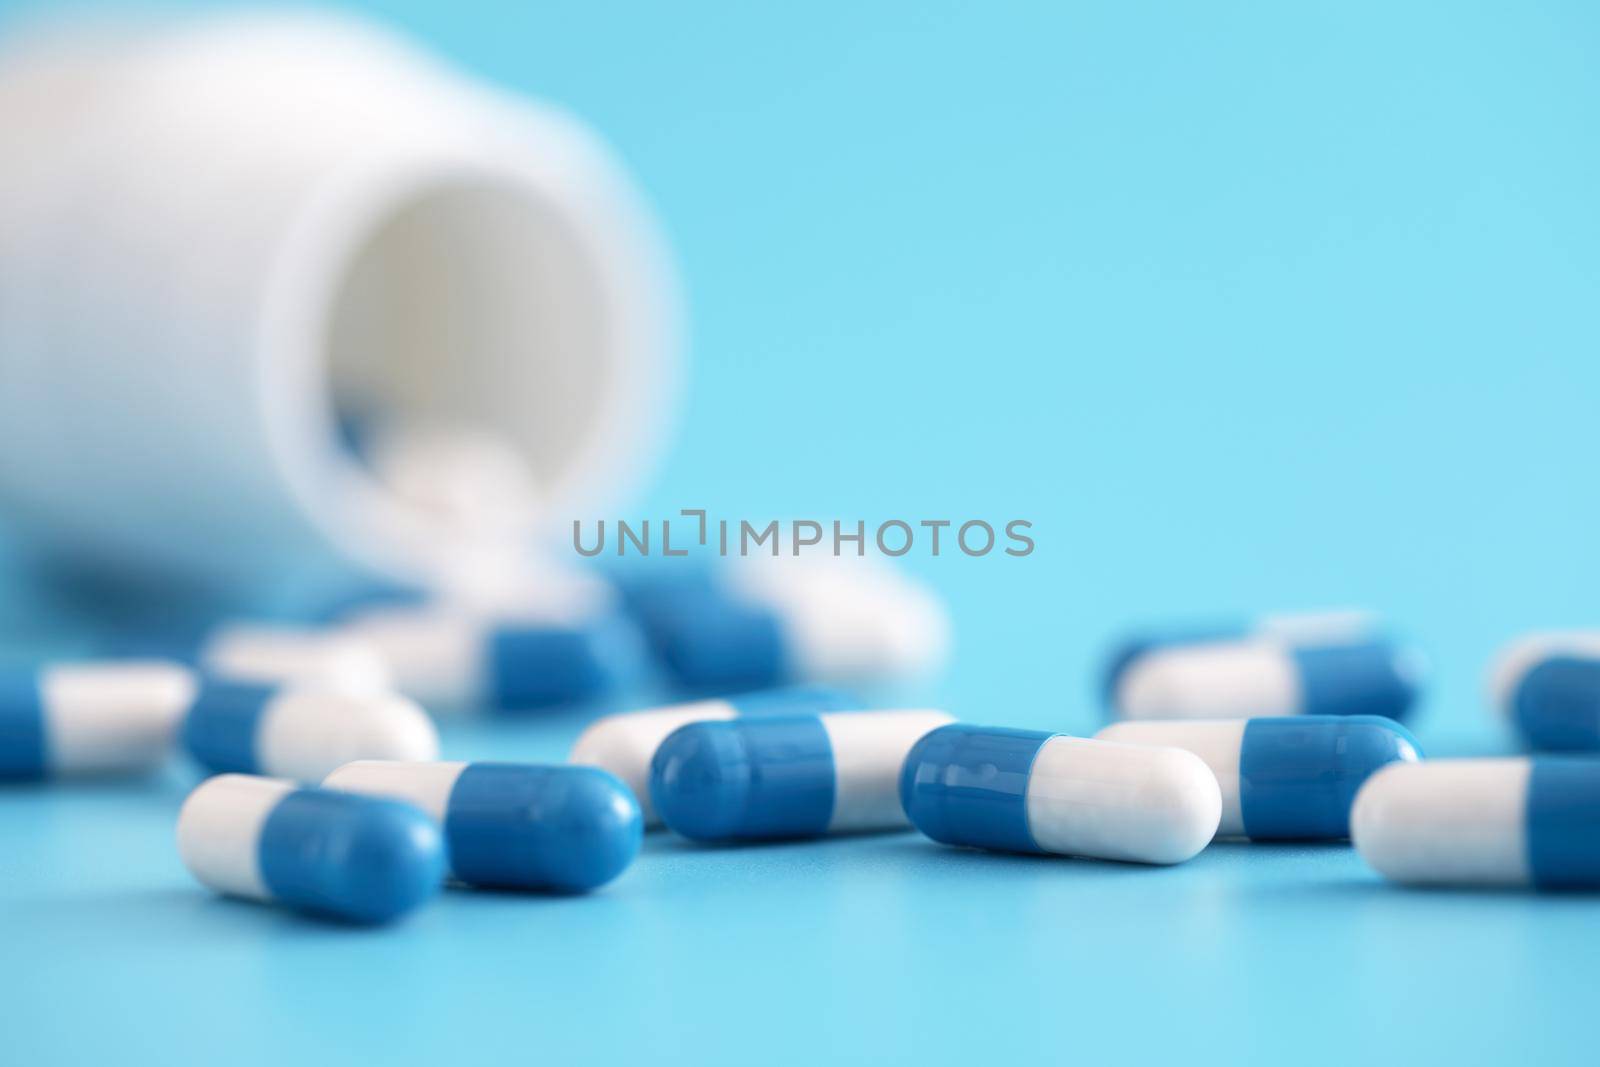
<point x="435" y="655"/>
<point x="625" y="744"/>
<point x="1446" y="822"/>
<point x="869" y="751"/>
<point x="280" y="655"/>
<point x="426" y="785"/>
<point x="1218" y="742"/>
<point x="306" y="733"/>
<point x="1214" y="680"/>
<point x="1520" y="656"/>
<point x="219" y="831"/>
<point x="848" y="621"/>
<point x="1121" y="802"/>
<point x="112" y="716"/>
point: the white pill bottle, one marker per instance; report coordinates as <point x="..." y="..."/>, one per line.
<point x="224" y="241"/>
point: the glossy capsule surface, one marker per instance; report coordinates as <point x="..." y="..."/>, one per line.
<point x="68" y="719"/>
<point x="1299" y="665"/>
<point x="1282" y="778"/>
<point x="357" y="858"/>
<point x="1033" y="791"/>
<point x="301" y="733"/>
<point x="1483" y="822"/>
<point x="514" y="825"/>
<point x="624" y="744"/>
<point x="796" y="776"/>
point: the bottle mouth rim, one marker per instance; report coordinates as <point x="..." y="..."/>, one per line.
<point x="613" y="388"/>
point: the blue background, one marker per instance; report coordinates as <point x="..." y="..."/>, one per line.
<point x="1245" y="307"/>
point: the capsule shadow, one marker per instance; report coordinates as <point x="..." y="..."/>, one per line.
<point x="922" y="850"/>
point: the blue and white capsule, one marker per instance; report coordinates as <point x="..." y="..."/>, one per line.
<point x="785" y="622"/>
<point x="453" y="659"/>
<point x="269" y="654"/>
<point x="625" y="744"/>
<point x="1282" y="778"/>
<point x="515" y="825"/>
<point x="301" y="733"/>
<point x="1548" y="685"/>
<point x="356" y="858"/>
<point x="1296" y="665"/>
<point x="67" y="719"/>
<point x="798" y="776"/>
<point x="1483" y="822"/>
<point x="1032" y="791"/>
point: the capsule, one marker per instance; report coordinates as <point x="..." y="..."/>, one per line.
<point x="1032" y="791"/>
<point x="792" y="622"/>
<point x="1282" y="778"/>
<point x="1299" y="665"/>
<point x="301" y="733"/>
<point x="89" y="718"/>
<point x="270" y="655"/>
<point x="362" y="859"/>
<point x="1548" y="685"/>
<point x="1483" y="822"/>
<point x="796" y="776"/>
<point x="625" y="744"/>
<point x="453" y="659"/>
<point x="512" y="825"/>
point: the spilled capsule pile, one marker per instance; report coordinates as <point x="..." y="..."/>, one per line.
<point x="328" y="794"/>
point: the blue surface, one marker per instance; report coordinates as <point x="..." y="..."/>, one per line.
<point x="1247" y="308"/>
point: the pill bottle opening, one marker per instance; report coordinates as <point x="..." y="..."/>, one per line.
<point x="470" y="353"/>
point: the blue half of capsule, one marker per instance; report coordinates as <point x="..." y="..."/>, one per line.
<point x="770" y="778"/>
<point x="1363" y="678"/>
<point x="964" y="785"/>
<point x="1557" y="705"/>
<point x="571" y="829"/>
<point x="719" y="645"/>
<point x="541" y="666"/>
<point x="22" y="731"/>
<point x="1563" y="823"/>
<point x="358" y="858"/>
<point x="221" y="727"/>
<point x="1299" y="776"/>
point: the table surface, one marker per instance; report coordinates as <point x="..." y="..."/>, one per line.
<point x="1245" y="309"/>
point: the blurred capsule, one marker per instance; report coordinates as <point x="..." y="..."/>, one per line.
<point x="1282" y="778"/>
<point x="88" y="718"/>
<point x="301" y="733"/>
<point x="1548" y="684"/>
<point x="625" y="744"/>
<point x="515" y="826"/>
<point x="357" y="858"/>
<point x="1483" y="822"/>
<point x="453" y="659"/>
<point x="785" y="621"/>
<point x="1334" y="664"/>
